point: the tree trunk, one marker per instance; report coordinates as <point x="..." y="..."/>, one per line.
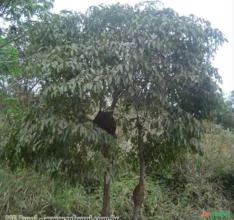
<point x="106" y="195"/>
<point x="106" y="121"/>
<point x="138" y="193"/>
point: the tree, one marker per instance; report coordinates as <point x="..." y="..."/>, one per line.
<point x="147" y="66"/>
<point x="78" y="134"/>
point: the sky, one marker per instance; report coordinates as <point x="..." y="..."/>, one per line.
<point x="218" y="12"/>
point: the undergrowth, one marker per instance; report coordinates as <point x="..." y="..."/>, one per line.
<point x="198" y="182"/>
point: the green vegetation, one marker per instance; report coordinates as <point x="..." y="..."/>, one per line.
<point x="225" y="112"/>
<point x="114" y="111"/>
<point x="181" y="191"/>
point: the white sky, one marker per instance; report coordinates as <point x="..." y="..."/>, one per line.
<point x="218" y="12"/>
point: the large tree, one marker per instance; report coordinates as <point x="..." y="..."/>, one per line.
<point x="145" y="65"/>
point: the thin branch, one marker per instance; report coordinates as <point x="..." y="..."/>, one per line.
<point x="116" y="96"/>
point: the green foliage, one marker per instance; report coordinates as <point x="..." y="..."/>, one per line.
<point x="181" y="191"/>
<point x="61" y="145"/>
<point x="28" y="193"/>
<point x="199" y="182"/>
<point x="149" y="60"/>
<point x="225" y="112"/>
<point x="18" y="11"/>
<point x="8" y="59"/>
<point x="16" y="83"/>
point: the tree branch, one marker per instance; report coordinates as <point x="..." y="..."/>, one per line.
<point x="116" y="96"/>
